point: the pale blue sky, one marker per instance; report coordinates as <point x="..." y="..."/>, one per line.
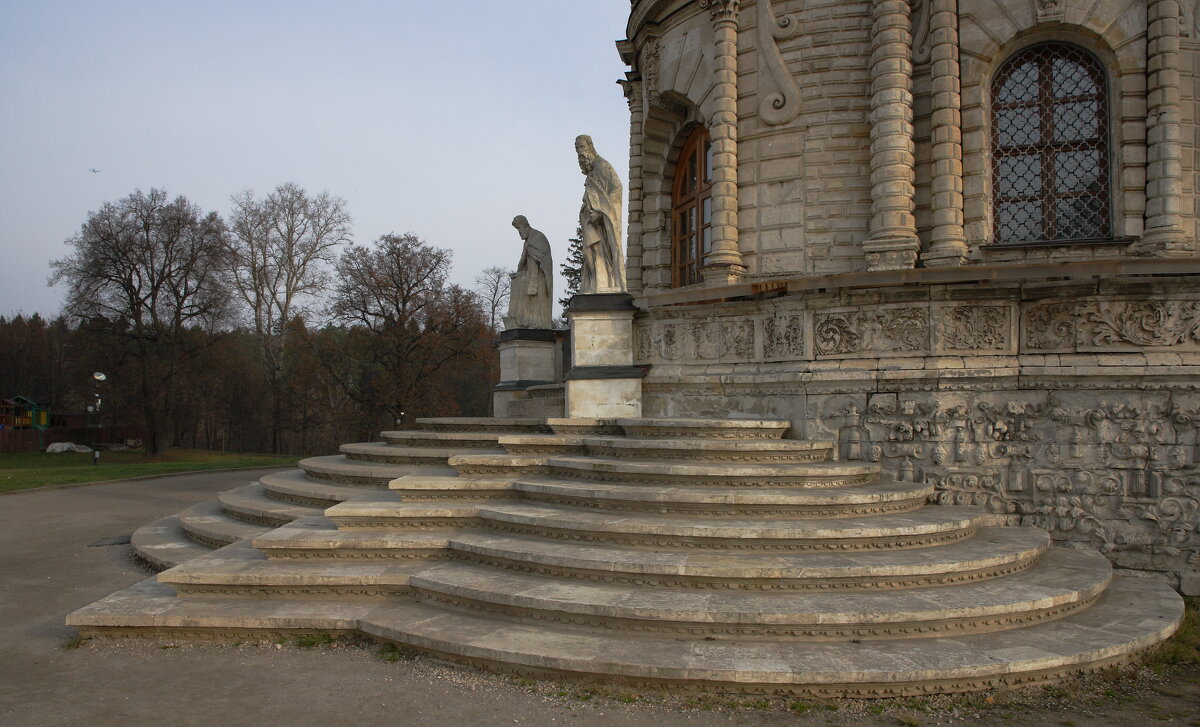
<point x="444" y="119"/>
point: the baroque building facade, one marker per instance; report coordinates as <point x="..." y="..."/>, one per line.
<point x="958" y="237"/>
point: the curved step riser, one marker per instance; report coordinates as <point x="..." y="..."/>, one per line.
<point x="352" y="554"/>
<point x="294" y="499"/>
<point x="665" y="480"/>
<point x="398" y="458"/>
<point x="346" y="592"/>
<point x="665" y="541"/>
<point x="781" y="511"/>
<point x="375" y="483"/>
<point x="701" y="455"/>
<point x="433" y="442"/>
<point x="743" y="631"/>
<point x="257" y="518"/>
<point x="930" y="685"/>
<point x="208" y="540"/>
<point x="812" y="585"/>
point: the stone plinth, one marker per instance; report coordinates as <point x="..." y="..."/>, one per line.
<point x="603" y="383"/>
<point x="526" y="362"/>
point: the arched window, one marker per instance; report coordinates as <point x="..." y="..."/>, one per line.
<point x="1050" y="148"/>
<point x="691" y="209"/>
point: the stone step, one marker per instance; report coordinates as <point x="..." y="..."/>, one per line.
<point x="482" y="424"/>
<point x="542" y="444"/>
<point x="387" y="454"/>
<point x="720" y="474"/>
<point x="1132" y="615"/>
<point x="993" y="552"/>
<point x="489" y="464"/>
<point x="163" y="544"/>
<point x="650" y="428"/>
<point x="423" y="487"/>
<point x="240" y="569"/>
<point x="337" y="469"/>
<point x="318" y="537"/>
<point x="295" y="487"/>
<point x="465" y="440"/>
<point x="208" y="524"/>
<point x="1062" y="581"/>
<point x="725" y="501"/>
<point x="919" y="528"/>
<point x="745" y="451"/>
<point x="243" y="571"/>
<point x="252" y="504"/>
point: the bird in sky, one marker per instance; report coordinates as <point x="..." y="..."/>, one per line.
<point x="93" y="170"/>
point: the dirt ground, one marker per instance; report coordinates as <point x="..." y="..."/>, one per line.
<point x="47" y="569"/>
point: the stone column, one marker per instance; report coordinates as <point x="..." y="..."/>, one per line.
<point x="725" y="260"/>
<point x="948" y="240"/>
<point x="637" y="116"/>
<point x="892" y="243"/>
<point x="1164" y="233"/>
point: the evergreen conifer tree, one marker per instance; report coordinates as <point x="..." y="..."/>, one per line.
<point x="572" y="268"/>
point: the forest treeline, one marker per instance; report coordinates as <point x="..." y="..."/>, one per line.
<point x="269" y="330"/>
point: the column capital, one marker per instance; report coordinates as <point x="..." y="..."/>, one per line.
<point x="632" y="88"/>
<point x="722" y="11"/>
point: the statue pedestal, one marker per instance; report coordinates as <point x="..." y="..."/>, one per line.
<point x="603" y="383"/>
<point x="526" y="361"/>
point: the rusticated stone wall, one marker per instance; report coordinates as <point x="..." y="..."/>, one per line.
<point x="1074" y="406"/>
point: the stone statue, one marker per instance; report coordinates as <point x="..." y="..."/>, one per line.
<point x="532" y="289"/>
<point x="600" y="219"/>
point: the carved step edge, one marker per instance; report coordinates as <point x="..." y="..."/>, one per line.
<point x="1061" y="583"/>
<point x="995" y="552"/>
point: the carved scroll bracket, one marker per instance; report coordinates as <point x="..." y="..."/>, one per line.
<point x="780" y="95"/>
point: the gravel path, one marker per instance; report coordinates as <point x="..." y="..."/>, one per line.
<point x="47" y="569"/>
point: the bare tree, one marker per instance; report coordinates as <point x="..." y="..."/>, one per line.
<point x="417" y="324"/>
<point x="492" y="286"/>
<point x="148" y="270"/>
<point x="280" y="252"/>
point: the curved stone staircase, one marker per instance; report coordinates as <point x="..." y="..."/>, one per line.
<point x="710" y="553"/>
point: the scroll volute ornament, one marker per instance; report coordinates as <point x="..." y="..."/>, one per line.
<point x="780" y="96"/>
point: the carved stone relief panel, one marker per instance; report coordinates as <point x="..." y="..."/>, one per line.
<point x="984" y="329"/>
<point x="783" y="338"/>
<point x="1112" y="325"/>
<point x="871" y="332"/>
<point x="695" y="341"/>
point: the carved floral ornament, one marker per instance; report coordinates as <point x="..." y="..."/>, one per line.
<point x="1107" y="324"/>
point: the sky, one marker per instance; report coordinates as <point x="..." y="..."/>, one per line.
<point x="440" y="119"/>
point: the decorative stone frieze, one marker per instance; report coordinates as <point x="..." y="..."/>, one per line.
<point x="706" y="340"/>
<point x="878" y="332"/>
<point x="1112" y="325"/>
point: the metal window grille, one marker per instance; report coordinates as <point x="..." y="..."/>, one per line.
<point x="1050" y="151"/>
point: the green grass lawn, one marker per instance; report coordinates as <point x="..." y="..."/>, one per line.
<point x="22" y="471"/>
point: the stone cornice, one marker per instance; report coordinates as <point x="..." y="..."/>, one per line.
<point x="999" y="273"/>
